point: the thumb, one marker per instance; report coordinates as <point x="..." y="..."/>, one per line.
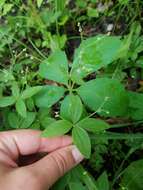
<point x="56" y="164"/>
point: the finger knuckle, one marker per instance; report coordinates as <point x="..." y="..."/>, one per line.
<point x="61" y="163"/>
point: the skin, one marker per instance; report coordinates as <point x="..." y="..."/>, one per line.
<point x="32" y="174"/>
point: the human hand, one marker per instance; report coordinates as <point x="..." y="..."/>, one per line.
<point x="41" y="174"/>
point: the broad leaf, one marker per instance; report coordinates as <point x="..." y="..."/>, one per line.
<point x="55" y="68"/>
<point x="15" y="121"/>
<point x="30" y="91"/>
<point x="102" y="182"/>
<point x="6" y="101"/>
<point x="93" y="54"/>
<point x="105" y="96"/>
<point x="45" y="122"/>
<point x="82" y="141"/>
<point x="43" y="113"/>
<point x="93" y="125"/>
<point x="133" y="175"/>
<point x="71" y="108"/>
<point x="27" y="122"/>
<point x="48" y="96"/>
<point x="21" y="107"/>
<point x="57" y="128"/>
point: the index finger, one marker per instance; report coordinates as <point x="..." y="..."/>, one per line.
<point x="26" y="142"/>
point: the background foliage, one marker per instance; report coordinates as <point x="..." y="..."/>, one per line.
<point x="76" y="67"/>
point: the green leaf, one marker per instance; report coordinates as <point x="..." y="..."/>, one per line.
<point x="21" y="107"/>
<point x="35" y="126"/>
<point x="30" y="104"/>
<point x="16" y="122"/>
<point x="39" y="3"/>
<point x="82" y="141"/>
<point x="6" y="101"/>
<point x="60" y="4"/>
<point x="93" y="125"/>
<point x="125" y="47"/>
<point x="93" y="54"/>
<point x="76" y="186"/>
<point x="102" y="182"/>
<point x="71" y="108"/>
<point x="105" y="96"/>
<point x="6" y="8"/>
<point x="81" y="3"/>
<point x="13" y="120"/>
<point x="46" y="122"/>
<point x="133" y="175"/>
<point x="15" y="90"/>
<point x="2" y="2"/>
<point x="80" y="174"/>
<point x="136" y="105"/>
<point x="57" y="42"/>
<point x="48" y="96"/>
<point x="30" y="91"/>
<point x="27" y="122"/>
<point x="62" y="182"/>
<point x="92" y="12"/>
<point x="43" y="113"/>
<point x="57" y="128"/>
<point x="55" y="68"/>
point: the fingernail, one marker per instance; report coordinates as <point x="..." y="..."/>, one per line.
<point x="78" y="157"/>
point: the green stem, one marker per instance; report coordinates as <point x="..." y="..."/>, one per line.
<point x="117" y="136"/>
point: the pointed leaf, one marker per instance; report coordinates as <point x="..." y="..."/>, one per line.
<point x="6" y="101"/>
<point x="31" y="91"/>
<point x="82" y="141"/>
<point x="15" y="90"/>
<point x="105" y="96"/>
<point x="57" y="128"/>
<point x="93" y="125"/>
<point x="13" y="120"/>
<point x="16" y="122"/>
<point x="48" y="96"/>
<point x="133" y="175"/>
<point x="55" y="68"/>
<point x="27" y="122"/>
<point x="102" y="182"/>
<point x="21" y="107"/>
<point x="71" y="108"/>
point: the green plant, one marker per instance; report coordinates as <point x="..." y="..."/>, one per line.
<point x="105" y="96"/>
<point x="93" y="94"/>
